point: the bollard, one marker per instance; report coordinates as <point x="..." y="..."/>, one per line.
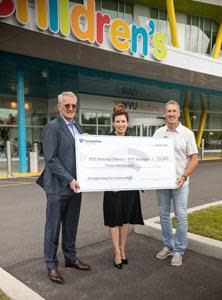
<point x="202" y="150"/>
<point x="9" y="159"/>
<point x="36" y="150"/>
<point x="34" y="159"/>
<point x="35" y="147"/>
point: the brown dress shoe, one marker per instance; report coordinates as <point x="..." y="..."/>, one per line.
<point x="78" y="264"/>
<point x="55" y="276"/>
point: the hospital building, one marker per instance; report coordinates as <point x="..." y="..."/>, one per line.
<point x="142" y="53"/>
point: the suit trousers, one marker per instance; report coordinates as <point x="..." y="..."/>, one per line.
<point x="61" y="210"/>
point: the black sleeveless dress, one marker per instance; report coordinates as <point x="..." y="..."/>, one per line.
<point x="122" y="207"/>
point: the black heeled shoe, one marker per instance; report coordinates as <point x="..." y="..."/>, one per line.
<point x="124" y="261"/>
<point x="118" y="266"/>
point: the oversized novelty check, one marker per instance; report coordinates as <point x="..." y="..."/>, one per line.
<point x="113" y="163"/>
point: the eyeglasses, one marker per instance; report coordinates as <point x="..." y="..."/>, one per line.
<point x="70" y="106"/>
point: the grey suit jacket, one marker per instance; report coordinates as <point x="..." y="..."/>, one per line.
<point x="60" y="160"/>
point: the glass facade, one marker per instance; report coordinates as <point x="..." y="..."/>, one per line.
<point x="213" y="129"/>
<point x="196" y="34"/>
<point x="44" y="80"/>
<point x="8" y="108"/>
<point x="8" y="127"/>
<point x="200" y="34"/>
<point x="117" y="9"/>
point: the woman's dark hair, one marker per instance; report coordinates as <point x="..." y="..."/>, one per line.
<point x="118" y="110"/>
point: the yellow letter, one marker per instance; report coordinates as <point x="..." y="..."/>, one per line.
<point x="159" y="41"/>
<point x="119" y="33"/>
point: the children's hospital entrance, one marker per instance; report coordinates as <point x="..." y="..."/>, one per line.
<point x="97" y="93"/>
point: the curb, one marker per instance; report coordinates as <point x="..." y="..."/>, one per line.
<point x="207" y="160"/>
<point x="196" y="243"/>
<point x="15" y="289"/>
<point x="20" y="175"/>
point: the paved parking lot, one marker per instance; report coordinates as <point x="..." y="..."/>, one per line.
<point x="22" y="217"/>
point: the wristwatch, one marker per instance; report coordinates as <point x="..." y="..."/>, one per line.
<point x="185" y="177"/>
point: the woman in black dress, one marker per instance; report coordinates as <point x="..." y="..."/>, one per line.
<point x="121" y="208"/>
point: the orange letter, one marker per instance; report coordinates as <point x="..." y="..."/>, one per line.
<point x="88" y="13"/>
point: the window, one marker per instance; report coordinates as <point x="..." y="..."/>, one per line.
<point x="158" y="14"/>
<point x="200" y="34"/>
<point x="77" y="1"/>
<point x="104" y="120"/>
<point x="110" y="8"/>
<point x="162" y="14"/>
<point x="154" y="13"/>
<point x="196" y="34"/>
<point x="96" y="123"/>
<point x="128" y="13"/>
<point x="117" y="9"/>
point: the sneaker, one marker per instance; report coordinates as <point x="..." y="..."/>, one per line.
<point x="164" y="253"/>
<point x="177" y="259"/>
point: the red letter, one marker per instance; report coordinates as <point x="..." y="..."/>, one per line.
<point x="7" y="7"/>
<point x="101" y="20"/>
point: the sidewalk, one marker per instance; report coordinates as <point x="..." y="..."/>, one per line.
<point x="144" y="278"/>
<point x="22" y="219"/>
<point x="15" y="169"/>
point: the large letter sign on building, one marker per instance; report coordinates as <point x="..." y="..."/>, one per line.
<point x="64" y="20"/>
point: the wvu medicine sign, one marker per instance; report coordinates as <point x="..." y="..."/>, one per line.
<point x="59" y="17"/>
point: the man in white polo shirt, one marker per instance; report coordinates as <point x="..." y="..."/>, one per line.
<point x="186" y="161"/>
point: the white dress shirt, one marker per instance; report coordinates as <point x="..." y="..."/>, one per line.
<point x="72" y="128"/>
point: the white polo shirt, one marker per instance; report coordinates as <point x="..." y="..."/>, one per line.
<point x="184" y="145"/>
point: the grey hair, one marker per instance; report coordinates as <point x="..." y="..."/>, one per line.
<point x="60" y="96"/>
<point x="171" y="102"/>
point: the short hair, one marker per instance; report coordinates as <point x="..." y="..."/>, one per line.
<point x="60" y="96"/>
<point x="172" y="102"/>
<point x="119" y="110"/>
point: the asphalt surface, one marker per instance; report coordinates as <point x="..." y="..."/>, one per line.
<point x="22" y="217"/>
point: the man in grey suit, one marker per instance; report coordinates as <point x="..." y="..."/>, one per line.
<point x="62" y="190"/>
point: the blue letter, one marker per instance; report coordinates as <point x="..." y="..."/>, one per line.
<point x="136" y="31"/>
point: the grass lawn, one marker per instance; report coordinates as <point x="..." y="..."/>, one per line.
<point x="206" y="222"/>
<point x="3" y="296"/>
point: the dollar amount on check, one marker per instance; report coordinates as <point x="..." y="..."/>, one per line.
<point x="113" y="163"/>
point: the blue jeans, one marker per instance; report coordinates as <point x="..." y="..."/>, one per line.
<point x="180" y="198"/>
